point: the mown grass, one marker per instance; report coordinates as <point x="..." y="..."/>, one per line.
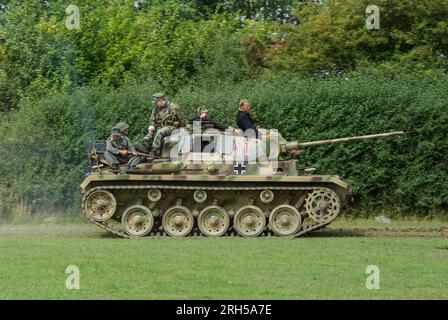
<point x="227" y="268"/>
<point x="348" y="222"/>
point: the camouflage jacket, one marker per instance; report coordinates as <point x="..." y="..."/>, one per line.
<point x="167" y="116"/>
<point x="122" y="143"/>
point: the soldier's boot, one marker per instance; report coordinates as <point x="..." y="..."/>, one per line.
<point x="155" y="150"/>
<point x="146" y="145"/>
<point x="155" y="153"/>
<point x="115" y="167"/>
<point x="132" y="170"/>
<point x="133" y="162"/>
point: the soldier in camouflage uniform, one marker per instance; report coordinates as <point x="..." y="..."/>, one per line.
<point x="118" y="147"/>
<point x="165" y="118"/>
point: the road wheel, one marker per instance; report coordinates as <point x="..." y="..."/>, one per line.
<point x="177" y="221"/>
<point x="213" y="221"/>
<point x="137" y="221"/>
<point x="249" y="221"/>
<point x="285" y="220"/>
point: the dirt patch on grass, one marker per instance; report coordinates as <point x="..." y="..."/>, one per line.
<point x="51" y="230"/>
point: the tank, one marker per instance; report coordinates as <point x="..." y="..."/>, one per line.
<point x="214" y="183"/>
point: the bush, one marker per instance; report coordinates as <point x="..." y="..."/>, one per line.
<point x="46" y="139"/>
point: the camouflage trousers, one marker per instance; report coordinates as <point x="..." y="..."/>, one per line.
<point x="116" y="160"/>
<point x="153" y="141"/>
<point x="135" y="161"/>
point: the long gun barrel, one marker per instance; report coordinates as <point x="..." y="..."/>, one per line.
<point x="295" y="145"/>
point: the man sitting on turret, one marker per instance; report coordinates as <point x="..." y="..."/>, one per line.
<point x="165" y="118"/>
<point x="245" y="122"/>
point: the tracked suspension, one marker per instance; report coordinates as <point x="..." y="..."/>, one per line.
<point x="320" y="206"/>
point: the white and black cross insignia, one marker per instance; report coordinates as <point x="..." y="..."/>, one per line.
<point x="239" y="168"/>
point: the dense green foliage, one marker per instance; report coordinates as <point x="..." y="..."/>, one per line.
<point x="410" y="172"/>
<point x="312" y="71"/>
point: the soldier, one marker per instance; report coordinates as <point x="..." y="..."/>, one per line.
<point x="165" y="118"/>
<point x="202" y="116"/>
<point x="118" y="147"/>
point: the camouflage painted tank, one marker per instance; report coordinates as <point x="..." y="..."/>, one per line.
<point x="215" y="184"/>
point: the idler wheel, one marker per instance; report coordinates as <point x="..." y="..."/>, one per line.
<point x="100" y="205"/>
<point x="137" y="221"/>
<point x="249" y="221"/>
<point x="177" y="221"/>
<point x="213" y="221"/>
<point x="285" y="220"/>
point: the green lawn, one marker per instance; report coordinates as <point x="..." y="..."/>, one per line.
<point x="33" y="264"/>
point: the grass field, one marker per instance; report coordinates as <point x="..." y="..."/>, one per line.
<point x="331" y="264"/>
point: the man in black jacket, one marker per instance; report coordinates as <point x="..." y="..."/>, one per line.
<point x="245" y="122"/>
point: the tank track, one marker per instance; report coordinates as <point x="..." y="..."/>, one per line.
<point x="106" y="225"/>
